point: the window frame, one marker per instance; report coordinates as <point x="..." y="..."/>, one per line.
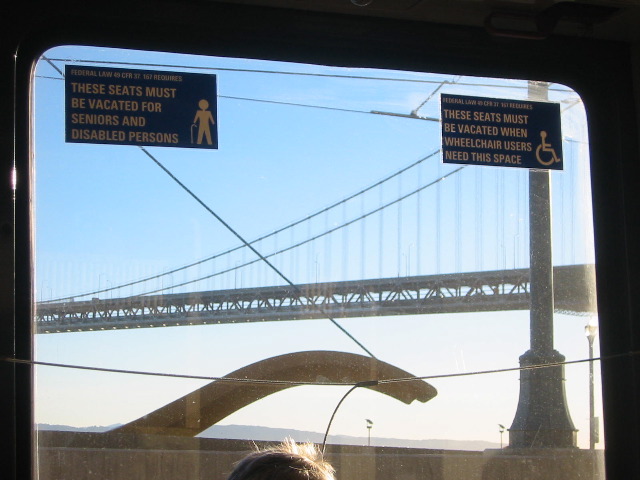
<point x="601" y="72"/>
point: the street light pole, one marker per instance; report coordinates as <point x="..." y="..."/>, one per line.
<point x="369" y="427"/>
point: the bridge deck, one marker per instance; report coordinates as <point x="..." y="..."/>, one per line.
<point x="450" y="293"/>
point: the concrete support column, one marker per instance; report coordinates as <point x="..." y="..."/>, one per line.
<point x="542" y="417"/>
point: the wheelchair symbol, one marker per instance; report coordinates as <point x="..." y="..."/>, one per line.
<point x="547" y="148"/>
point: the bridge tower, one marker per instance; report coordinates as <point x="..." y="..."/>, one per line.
<point x="542" y="418"/>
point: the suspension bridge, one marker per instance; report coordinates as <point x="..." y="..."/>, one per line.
<point x="439" y="218"/>
<point x="452" y="293"/>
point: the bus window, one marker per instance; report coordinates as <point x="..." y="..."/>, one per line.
<point x="228" y="249"/>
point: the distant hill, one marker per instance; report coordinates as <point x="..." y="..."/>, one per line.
<point x="277" y="434"/>
<point x="244" y="432"/>
<point x="67" y="428"/>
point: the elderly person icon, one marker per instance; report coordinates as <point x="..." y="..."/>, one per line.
<point x="203" y="120"/>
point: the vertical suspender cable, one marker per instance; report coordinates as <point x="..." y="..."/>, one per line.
<point x="345" y="244"/>
<point x="363" y="239"/>
<point x="438" y="225"/>
<point x="399" y="225"/>
<point x="418" y="223"/>
<point x="500" y="218"/>
<point x="458" y="233"/>
<point x="327" y="248"/>
<point x="381" y="239"/>
<point x="479" y="219"/>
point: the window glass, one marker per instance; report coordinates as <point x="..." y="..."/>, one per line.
<point x="191" y="300"/>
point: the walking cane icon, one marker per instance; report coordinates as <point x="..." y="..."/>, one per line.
<point x="193" y="125"/>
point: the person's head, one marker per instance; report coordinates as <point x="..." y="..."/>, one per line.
<point x="287" y="461"/>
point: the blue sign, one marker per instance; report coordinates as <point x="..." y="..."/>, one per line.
<point x="498" y="132"/>
<point x="140" y="107"/>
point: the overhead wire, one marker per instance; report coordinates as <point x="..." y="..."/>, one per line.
<point x="366" y="383"/>
<point x="289" y="383"/>
<point x="323" y="383"/>
<point x="251" y="247"/>
<point x="353" y="386"/>
<point x="285" y="72"/>
<point x="294" y="104"/>
<point x="369" y="112"/>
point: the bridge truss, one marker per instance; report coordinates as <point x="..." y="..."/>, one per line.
<point x="450" y="293"/>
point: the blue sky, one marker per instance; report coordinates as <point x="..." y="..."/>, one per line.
<point x="107" y="215"/>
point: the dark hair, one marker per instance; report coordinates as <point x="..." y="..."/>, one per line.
<point x="287" y="461"/>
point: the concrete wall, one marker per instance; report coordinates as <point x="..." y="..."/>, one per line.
<point x="81" y="456"/>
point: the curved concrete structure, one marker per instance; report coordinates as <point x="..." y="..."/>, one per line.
<point x="202" y="408"/>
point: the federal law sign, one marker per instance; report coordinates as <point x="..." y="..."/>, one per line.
<point x="498" y="132"/>
<point x="140" y="107"/>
